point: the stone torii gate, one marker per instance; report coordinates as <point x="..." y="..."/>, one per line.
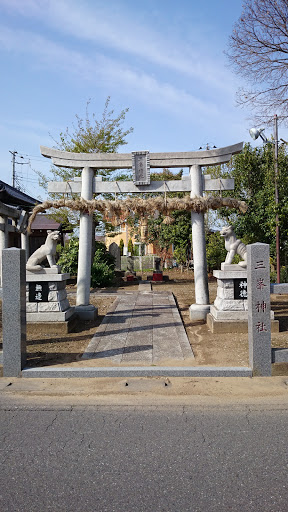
<point x="141" y="162"/>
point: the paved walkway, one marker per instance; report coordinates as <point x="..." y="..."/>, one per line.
<point x="143" y="328"/>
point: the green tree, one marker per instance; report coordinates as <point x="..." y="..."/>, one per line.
<point x="103" y="265"/>
<point x="88" y="135"/>
<point x="68" y="259"/>
<point x="164" y="235"/>
<point x="130" y="247"/>
<point x="102" y="271"/>
<point x="253" y="171"/>
<point x="180" y="256"/>
<point x="177" y="233"/>
<point x="121" y="246"/>
<point x="215" y="251"/>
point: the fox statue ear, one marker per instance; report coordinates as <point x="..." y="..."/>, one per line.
<point x="49" y="231"/>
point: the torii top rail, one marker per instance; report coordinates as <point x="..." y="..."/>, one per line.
<point x="157" y="160"/>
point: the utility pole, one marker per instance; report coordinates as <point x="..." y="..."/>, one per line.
<point x="13" y="153"/>
<point x="276" y="197"/>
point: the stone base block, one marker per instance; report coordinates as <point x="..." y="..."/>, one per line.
<point x="234" y="316"/>
<point x="199" y="312"/>
<point x="279" y="288"/>
<point x="44" y="277"/>
<point x="233" y="326"/>
<point x="145" y="287"/>
<point x="45" y="372"/>
<point x="236" y="273"/>
<point x="45" y="270"/>
<point x="88" y="312"/>
<point x="279" y="355"/>
<point x="53" y="327"/>
<point x="50" y="316"/>
<point x="232" y="267"/>
<point x="231" y="305"/>
<point x="218" y="326"/>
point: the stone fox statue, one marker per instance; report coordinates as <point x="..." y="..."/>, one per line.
<point x="233" y="246"/>
<point x="47" y="250"/>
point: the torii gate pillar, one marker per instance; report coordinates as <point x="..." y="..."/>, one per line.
<point x="201" y="308"/>
<point x="85" y="310"/>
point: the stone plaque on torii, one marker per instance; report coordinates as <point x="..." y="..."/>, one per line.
<point x="88" y="185"/>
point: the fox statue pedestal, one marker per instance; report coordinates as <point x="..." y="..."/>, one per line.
<point x="230" y="310"/>
<point x="47" y="306"/>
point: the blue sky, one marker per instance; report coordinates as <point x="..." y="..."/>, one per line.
<point x="163" y="60"/>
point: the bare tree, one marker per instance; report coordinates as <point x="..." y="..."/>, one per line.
<point x="258" y="51"/>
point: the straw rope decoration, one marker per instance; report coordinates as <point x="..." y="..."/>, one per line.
<point x="123" y="208"/>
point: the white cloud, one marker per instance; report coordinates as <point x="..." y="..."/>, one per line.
<point x="105" y="72"/>
<point x="122" y="33"/>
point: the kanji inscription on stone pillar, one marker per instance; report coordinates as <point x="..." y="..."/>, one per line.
<point x="259" y="316"/>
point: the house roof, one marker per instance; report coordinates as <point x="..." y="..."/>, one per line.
<point x="14" y="197"/>
<point x="43" y="222"/>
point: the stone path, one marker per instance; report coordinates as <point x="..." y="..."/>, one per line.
<point x="142" y="327"/>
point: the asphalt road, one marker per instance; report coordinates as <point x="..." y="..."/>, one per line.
<point x="144" y="458"/>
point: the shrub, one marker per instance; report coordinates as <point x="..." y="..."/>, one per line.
<point x="283" y="275"/>
<point x="130" y="247"/>
<point x="215" y="251"/>
<point x="121" y="246"/>
<point x="68" y="259"/>
<point x="180" y="255"/>
<point x="102" y="269"/>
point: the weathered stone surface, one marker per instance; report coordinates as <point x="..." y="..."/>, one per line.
<point x="64" y="304"/>
<point x="30" y="277"/>
<point x="14" y="311"/>
<point x="228" y="315"/>
<point x="259" y="323"/>
<point x="53" y="306"/>
<point x="233" y="274"/>
<point x="46" y="316"/>
<point x="56" y="327"/>
<point x="48" y="306"/>
<point x="59" y="285"/>
<point x="145" y="287"/>
<point x="232" y="267"/>
<point x="114" y="250"/>
<point x="236" y="315"/>
<point x="229" y="305"/>
<point x="57" y="295"/>
<point x="44" y="271"/>
<point x="88" y="312"/>
<point x="140" y="371"/>
<point x="130" y="264"/>
<point x="279" y="288"/>
<point x="225" y="293"/>
<point x="279" y="355"/>
<point x="198" y="312"/>
<point x="31" y="307"/>
<point x="225" y="283"/>
<point x="229" y="325"/>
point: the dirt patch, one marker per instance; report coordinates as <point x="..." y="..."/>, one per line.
<point x="210" y="349"/>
